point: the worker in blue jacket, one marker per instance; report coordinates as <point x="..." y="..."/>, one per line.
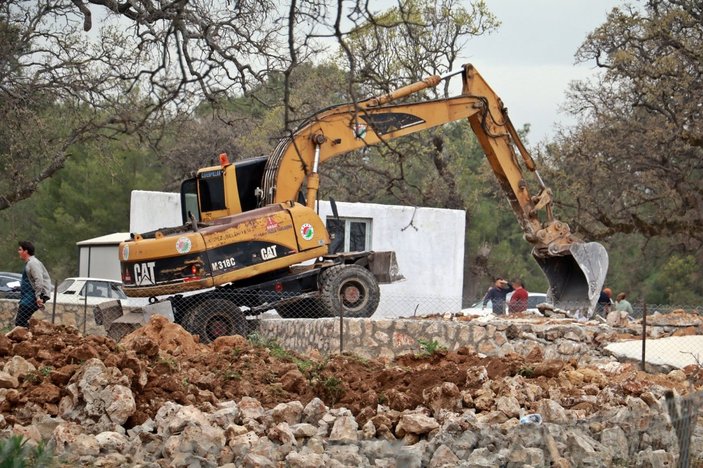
<point x="496" y="294"/>
<point x="34" y="286"/>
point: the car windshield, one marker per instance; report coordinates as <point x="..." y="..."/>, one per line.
<point x="533" y="301"/>
<point x="65" y="284"/>
<point x="117" y="291"/>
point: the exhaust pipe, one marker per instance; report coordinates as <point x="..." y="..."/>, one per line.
<point x="576" y="275"/>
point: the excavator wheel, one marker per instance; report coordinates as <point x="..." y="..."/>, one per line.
<point x="349" y="289"/>
<point x="214" y="318"/>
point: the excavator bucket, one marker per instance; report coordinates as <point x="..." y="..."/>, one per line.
<point x="576" y="276"/>
<point x="384" y="267"/>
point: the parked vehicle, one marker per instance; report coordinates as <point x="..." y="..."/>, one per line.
<point x="10" y="285"/>
<point x="533" y="300"/>
<point x="93" y="291"/>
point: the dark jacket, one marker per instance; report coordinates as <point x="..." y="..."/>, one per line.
<point x="497" y="297"/>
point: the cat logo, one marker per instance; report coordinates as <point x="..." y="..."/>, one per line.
<point x="267" y="253"/>
<point x="144" y="273"/>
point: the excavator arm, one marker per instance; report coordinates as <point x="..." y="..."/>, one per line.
<point x="575" y="270"/>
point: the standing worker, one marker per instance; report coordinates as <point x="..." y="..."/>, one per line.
<point x="496" y="295"/>
<point x="518" y="301"/>
<point x="604" y="302"/>
<point x="622" y="304"/>
<point x="34" y="286"/>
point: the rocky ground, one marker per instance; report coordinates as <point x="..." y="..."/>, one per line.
<point x="252" y="403"/>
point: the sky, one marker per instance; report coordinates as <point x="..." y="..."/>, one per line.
<point x="529" y="61"/>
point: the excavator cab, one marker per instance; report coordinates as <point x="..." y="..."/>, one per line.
<point x="222" y="190"/>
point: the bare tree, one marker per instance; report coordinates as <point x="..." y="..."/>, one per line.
<point x="634" y="163"/>
<point x="78" y="70"/>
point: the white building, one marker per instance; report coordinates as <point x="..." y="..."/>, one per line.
<point x="97" y="257"/>
<point x="429" y="246"/>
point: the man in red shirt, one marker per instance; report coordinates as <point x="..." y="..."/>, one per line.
<point x="518" y="301"/>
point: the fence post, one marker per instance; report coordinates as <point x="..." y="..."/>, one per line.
<point x="85" y="310"/>
<point x="53" y="306"/>
<point x="644" y="334"/>
<point x="341" y="327"/>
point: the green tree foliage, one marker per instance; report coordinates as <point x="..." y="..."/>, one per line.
<point x="57" y="89"/>
<point x="633" y="165"/>
<point x="88" y="198"/>
<point x="678" y="281"/>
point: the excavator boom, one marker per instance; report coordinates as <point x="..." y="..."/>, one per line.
<point x="575" y="270"/>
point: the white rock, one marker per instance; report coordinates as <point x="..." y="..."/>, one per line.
<point x="314" y="411"/>
<point x="18" y="367"/>
<point x="8" y="380"/>
<point x="282" y="433"/>
<point x="251" y="408"/>
<point x="184" y="417"/>
<point x="443" y="457"/>
<point x="553" y="412"/>
<point x="344" y="429"/>
<point x="303" y="430"/>
<point x="304" y="460"/>
<point x="111" y="442"/>
<point x="257" y="461"/>
<point x="226" y="416"/>
<point x="508" y="405"/>
<point x="290" y="413"/>
<point x="415" y="423"/>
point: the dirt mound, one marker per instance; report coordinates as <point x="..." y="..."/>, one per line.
<point x="168" y="336"/>
<point x="164" y="363"/>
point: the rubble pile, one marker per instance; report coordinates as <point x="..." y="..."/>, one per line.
<point x="160" y="398"/>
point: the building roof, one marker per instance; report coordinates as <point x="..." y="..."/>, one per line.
<point x="109" y="239"/>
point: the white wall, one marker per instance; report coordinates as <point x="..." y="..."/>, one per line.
<point x="97" y="258"/>
<point x="99" y="262"/>
<point x="429" y="245"/>
<point x="149" y="211"/>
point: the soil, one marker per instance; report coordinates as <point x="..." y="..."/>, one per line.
<point x="179" y="368"/>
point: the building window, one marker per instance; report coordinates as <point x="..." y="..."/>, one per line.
<point x="349" y="234"/>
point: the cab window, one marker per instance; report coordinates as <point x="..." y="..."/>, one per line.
<point x="212" y="191"/>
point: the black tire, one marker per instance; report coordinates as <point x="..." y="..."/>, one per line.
<point x="216" y="317"/>
<point x="350" y="289"/>
<point x="304" y="308"/>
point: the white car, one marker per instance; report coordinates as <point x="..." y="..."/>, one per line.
<point x="93" y="291"/>
<point x="533" y="299"/>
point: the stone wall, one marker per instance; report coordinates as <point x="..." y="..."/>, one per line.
<point x="76" y="316"/>
<point x="390" y="338"/>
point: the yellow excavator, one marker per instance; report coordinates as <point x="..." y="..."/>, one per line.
<point x="251" y="231"/>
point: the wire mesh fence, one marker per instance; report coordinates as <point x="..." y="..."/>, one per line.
<point x="350" y="294"/>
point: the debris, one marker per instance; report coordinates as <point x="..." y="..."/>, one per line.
<point x="534" y="418"/>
